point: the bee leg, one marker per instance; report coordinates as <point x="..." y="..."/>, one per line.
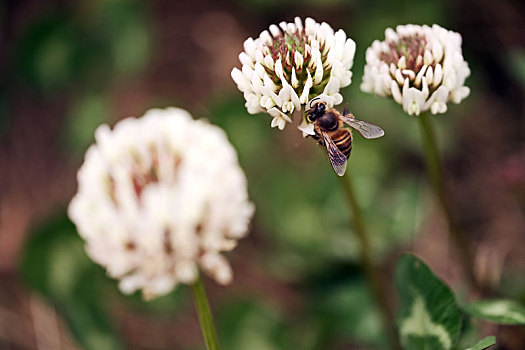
<point x="346" y="111"/>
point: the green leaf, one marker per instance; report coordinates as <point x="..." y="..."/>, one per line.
<point x="484" y="343"/>
<point x="55" y="265"/>
<point x="429" y="317"/>
<point x="498" y="311"/>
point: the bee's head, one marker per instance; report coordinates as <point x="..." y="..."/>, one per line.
<point x="316" y="112"/>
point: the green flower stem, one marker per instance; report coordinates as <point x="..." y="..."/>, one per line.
<point x="371" y="270"/>
<point x="435" y="173"/>
<point x="205" y="317"/>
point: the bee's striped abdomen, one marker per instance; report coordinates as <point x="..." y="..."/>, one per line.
<point x="344" y="142"/>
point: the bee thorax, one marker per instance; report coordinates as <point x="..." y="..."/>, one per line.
<point x="328" y="122"/>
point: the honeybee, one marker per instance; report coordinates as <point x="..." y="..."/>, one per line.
<point x="330" y="131"/>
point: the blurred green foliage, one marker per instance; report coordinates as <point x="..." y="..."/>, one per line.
<point x="55" y="265"/>
<point x="250" y="324"/>
<point x="82" y="45"/>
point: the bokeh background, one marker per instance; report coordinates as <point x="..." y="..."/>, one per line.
<point x="67" y="66"/>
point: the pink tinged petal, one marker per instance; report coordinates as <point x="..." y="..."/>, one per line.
<point x="286" y="118"/>
<point x="399" y="77"/>
<point x="217" y="266"/>
<point x="298" y="23"/>
<point x="349" y="53"/>
<point x="438" y="75"/>
<point x="459" y="94"/>
<point x="248" y="72"/>
<point x="345" y="78"/>
<point x="332" y="87"/>
<point x="279" y="118"/>
<point x="288" y="107"/>
<point x="425" y="90"/>
<point x="337" y="99"/>
<point x="265" y="37"/>
<point x="259" y="56"/>
<point x="131" y="283"/>
<point x="259" y="69"/>
<point x="279" y="69"/>
<point x="449" y="78"/>
<point x="419" y="60"/>
<point x="186" y="271"/>
<point x="288" y="59"/>
<point x="245" y="59"/>
<point x="396" y="93"/>
<point x="267" y="102"/>
<point x="257" y="83"/>
<point x="268" y="82"/>
<point x="410" y="73"/>
<point x="420" y="74"/>
<point x="281" y="124"/>
<point x="402" y="62"/>
<point x="239" y="78"/>
<point x="306" y="90"/>
<point x="275" y="30"/>
<point x="429" y="76"/>
<point x="269" y="93"/>
<point x="284" y="26"/>
<point x="411" y="101"/>
<point x="295" y="100"/>
<point x="318" y="75"/>
<point x="437" y="51"/>
<point x="268" y="62"/>
<point x="390" y="35"/>
<point x="249" y="47"/>
<point x="393" y="69"/>
<point x="285" y="93"/>
<point x="103" y="137"/>
<point x="428" y="58"/>
<point x="310" y="26"/>
<point x="438" y="107"/>
<point x="307" y="50"/>
<point x="275" y="122"/>
<point x="316" y="62"/>
<point x="306" y="128"/>
<point x="339" y="45"/>
<point x="437" y="102"/>
<point x="228" y="244"/>
<point x="299" y="59"/>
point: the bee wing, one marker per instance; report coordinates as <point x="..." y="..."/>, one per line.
<point x="367" y="130"/>
<point x="336" y="157"/>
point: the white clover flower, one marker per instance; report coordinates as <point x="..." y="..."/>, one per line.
<point x="290" y="64"/>
<point x="421" y="67"/>
<point x="160" y="197"/>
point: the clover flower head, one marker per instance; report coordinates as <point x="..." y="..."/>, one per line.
<point x="421" y="67"/>
<point x="160" y="197"/>
<point x="289" y="64"/>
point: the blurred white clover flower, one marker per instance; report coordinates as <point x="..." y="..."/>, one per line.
<point x="421" y="67"/>
<point x="290" y="64"/>
<point x="160" y="197"/>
